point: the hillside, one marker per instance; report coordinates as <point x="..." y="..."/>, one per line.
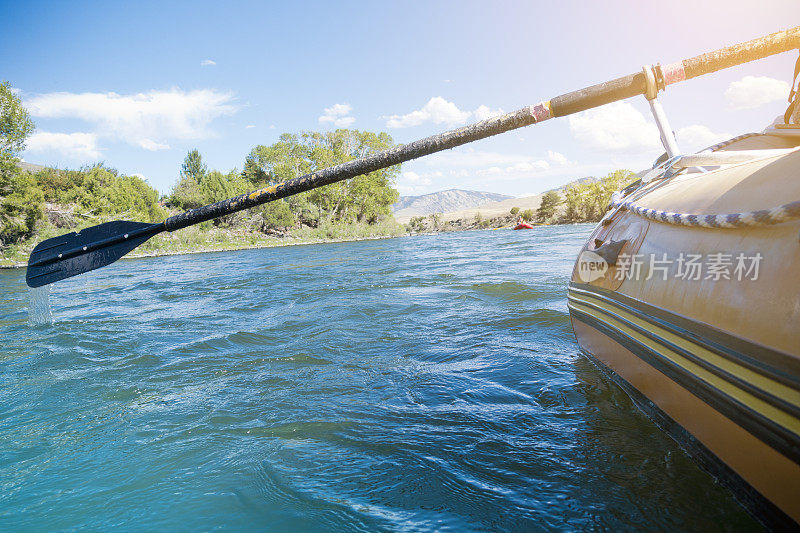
<point x="443" y="202"/>
<point x="494" y="209"/>
<point x="490" y="209"/>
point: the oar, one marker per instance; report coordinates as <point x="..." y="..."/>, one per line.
<point x="75" y="253"/>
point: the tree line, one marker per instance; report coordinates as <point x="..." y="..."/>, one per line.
<point x="97" y="192"/>
<point x="365" y="199"/>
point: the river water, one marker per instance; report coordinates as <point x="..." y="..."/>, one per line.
<point x="415" y="383"/>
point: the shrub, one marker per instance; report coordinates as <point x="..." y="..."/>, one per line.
<point x="274" y="215"/>
<point x="436" y="220"/>
<point x="21" y="201"/>
<point x="416" y="224"/>
<point x="547" y="208"/>
<point x="588" y="201"/>
<point x="187" y="194"/>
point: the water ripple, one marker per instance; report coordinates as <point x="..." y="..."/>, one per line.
<point x="428" y="383"/>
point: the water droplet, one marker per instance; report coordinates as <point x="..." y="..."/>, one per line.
<point x="39" y="310"/>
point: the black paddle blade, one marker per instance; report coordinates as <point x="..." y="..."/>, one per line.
<point x="75" y="253"/>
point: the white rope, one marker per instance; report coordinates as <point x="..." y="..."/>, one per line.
<point x="762" y="217"/>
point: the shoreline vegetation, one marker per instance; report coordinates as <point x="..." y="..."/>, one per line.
<point x="209" y="240"/>
<point x="38" y="203"/>
<point x="69" y="200"/>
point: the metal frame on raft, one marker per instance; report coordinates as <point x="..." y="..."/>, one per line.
<point x="75" y="253"/>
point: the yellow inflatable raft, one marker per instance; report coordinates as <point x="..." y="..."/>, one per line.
<point x="688" y="291"/>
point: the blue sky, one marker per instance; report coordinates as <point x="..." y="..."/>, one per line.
<point x="137" y="85"/>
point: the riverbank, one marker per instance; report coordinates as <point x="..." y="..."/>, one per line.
<point x="199" y="241"/>
<point x="206" y="238"/>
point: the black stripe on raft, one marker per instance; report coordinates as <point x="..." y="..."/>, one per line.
<point x="760" y="393"/>
<point x="777" y="437"/>
<point x="772" y="363"/>
<point x="753" y="389"/>
<point x="766" y="512"/>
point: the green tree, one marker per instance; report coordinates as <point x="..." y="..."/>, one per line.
<point x="275" y="215"/>
<point x="547" y="208"/>
<point x="15" y="121"/>
<point x="416" y="224"/>
<point x="21" y="200"/>
<point x="193" y="166"/>
<point x="187" y="194"/>
<point x="363" y="198"/>
<point x="216" y="186"/>
<point x="588" y="200"/>
<point x="436" y="221"/>
<point x="527" y="215"/>
<point x="100" y="191"/>
<point x="252" y="171"/>
<point x="514" y="210"/>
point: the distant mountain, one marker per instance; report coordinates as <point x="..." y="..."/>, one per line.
<point x="444" y="202"/>
<point x="489" y="208"/>
<point x="30" y="167"/>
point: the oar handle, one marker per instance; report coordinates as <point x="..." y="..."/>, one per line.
<point x="636" y="84"/>
<point x="566" y="104"/>
<point x="774" y="43"/>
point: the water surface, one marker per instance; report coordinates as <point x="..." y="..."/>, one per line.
<point x="416" y="383"/>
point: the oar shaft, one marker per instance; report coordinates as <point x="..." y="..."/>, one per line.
<point x="565" y="104"/>
<point x="774" y="43"/>
<point x="635" y="84"/>
<point x="357" y="167"/>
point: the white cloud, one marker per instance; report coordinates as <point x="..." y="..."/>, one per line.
<point x="491" y="171"/>
<point x="249" y="126"/>
<point x="272" y="126"/>
<point x="15" y="91"/>
<point x="140" y="176"/>
<point x="338" y="116"/>
<point x="755" y="91"/>
<point x="529" y="166"/>
<point x="469" y="158"/>
<point x="616" y="126"/>
<point x="146" y="120"/>
<point x="424" y="179"/>
<point x="413" y="177"/>
<point x="696" y="137"/>
<point x="208" y="63"/>
<point x="149" y="144"/>
<point x="439" y="111"/>
<point x="411" y="182"/>
<point x="483" y="112"/>
<point x="557" y="158"/>
<point x="74" y="146"/>
<point x="465" y="162"/>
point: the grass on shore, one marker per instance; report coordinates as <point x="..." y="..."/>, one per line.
<point x="206" y="237"/>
